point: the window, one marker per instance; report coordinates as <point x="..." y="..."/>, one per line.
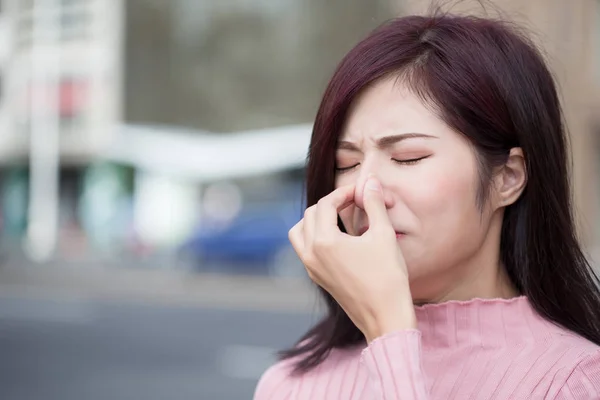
<point x="74" y="19"/>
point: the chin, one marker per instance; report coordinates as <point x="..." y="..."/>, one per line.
<point x="416" y="270"/>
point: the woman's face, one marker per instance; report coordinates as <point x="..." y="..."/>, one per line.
<point x="430" y="183"/>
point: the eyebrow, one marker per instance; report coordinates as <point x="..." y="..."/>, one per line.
<point x="384" y="142"/>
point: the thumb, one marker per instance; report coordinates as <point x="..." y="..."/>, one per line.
<point x="374" y="204"/>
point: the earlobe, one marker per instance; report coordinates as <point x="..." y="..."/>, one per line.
<point x="513" y="178"/>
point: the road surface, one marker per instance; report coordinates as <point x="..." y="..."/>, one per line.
<point x="56" y="345"/>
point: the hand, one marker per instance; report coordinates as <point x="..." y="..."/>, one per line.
<point x="366" y="275"/>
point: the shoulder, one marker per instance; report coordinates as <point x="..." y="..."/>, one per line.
<point x="585" y="355"/>
<point x="279" y="382"/>
<point x="579" y="348"/>
<point x="580" y="365"/>
<point x="583" y="381"/>
<point x="589" y="363"/>
<point x="276" y="381"/>
<point x="572" y="349"/>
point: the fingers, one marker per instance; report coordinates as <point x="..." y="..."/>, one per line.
<point x="309" y="226"/>
<point x="374" y="205"/>
<point x="296" y="237"/>
<point x="328" y="208"/>
<point x="301" y="242"/>
<point x="319" y="223"/>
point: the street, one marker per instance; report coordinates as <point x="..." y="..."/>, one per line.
<point x="75" y="348"/>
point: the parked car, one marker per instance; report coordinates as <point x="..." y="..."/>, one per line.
<point x="256" y="241"/>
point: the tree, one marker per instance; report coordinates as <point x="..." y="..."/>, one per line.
<point x="241" y="68"/>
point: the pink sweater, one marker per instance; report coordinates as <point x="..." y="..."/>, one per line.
<point x="479" y="350"/>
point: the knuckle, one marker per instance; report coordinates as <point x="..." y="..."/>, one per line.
<point x="323" y="243"/>
<point x="292" y="232"/>
<point x="309" y="211"/>
<point x="312" y="270"/>
<point x="294" y="242"/>
<point x="309" y="262"/>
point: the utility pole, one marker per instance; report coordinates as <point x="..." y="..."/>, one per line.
<point x="45" y="127"/>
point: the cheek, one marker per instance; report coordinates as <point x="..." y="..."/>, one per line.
<point x="456" y="209"/>
<point x="443" y="201"/>
<point x="344" y="179"/>
<point x="440" y="193"/>
<point x="449" y="185"/>
<point x="447" y="215"/>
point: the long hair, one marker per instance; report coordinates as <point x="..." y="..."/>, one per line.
<point x="486" y="80"/>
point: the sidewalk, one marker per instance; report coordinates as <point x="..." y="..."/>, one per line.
<point x="95" y="282"/>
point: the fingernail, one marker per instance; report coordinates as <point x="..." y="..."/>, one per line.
<point x="373" y="184"/>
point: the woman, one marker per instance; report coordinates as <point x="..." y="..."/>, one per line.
<point x="439" y="227"/>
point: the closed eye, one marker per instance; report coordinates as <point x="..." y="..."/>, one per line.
<point x="345" y="169"/>
<point x="409" y="161"/>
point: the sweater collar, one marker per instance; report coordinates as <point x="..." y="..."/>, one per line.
<point x="480" y="322"/>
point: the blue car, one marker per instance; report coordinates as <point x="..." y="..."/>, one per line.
<point x="256" y="241"/>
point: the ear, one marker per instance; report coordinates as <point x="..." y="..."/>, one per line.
<point x="511" y="179"/>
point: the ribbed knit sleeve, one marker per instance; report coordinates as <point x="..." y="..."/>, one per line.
<point x="584" y="382"/>
<point x="394" y="366"/>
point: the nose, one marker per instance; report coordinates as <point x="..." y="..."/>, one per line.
<point x="359" y="192"/>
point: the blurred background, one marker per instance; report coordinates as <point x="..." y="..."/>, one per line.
<point x="151" y="164"/>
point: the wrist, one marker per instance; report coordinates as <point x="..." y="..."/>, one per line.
<point x="398" y="319"/>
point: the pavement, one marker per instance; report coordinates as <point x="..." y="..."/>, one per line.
<point x="72" y="332"/>
<point x="157" y="286"/>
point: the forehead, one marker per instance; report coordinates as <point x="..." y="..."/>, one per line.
<point x="389" y="108"/>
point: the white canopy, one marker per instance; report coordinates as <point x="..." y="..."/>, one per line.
<point x="207" y="156"/>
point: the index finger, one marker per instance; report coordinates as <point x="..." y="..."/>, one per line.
<point x="330" y="205"/>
